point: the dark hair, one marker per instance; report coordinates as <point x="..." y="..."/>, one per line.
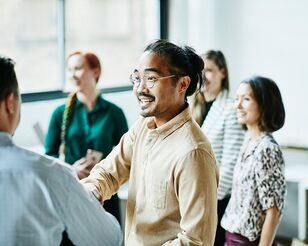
<point x="219" y="59"/>
<point x="91" y="59"/>
<point x="269" y="100"/>
<point x="182" y="61"/>
<point x="8" y="80"/>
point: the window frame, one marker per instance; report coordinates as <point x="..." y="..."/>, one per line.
<point x="58" y="94"/>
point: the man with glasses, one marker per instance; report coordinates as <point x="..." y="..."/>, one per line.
<point x="40" y="198"/>
<point x="169" y="163"/>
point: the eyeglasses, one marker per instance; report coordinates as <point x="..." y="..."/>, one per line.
<point x="149" y="80"/>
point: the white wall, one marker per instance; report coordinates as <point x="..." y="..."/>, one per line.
<point x="263" y="37"/>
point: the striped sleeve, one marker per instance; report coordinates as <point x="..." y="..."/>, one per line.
<point x="233" y="137"/>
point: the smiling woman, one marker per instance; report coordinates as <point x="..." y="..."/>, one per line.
<point x="87" y="127"/>
<point x="259" y="187"/>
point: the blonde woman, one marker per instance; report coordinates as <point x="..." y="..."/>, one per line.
<point x="213" y="110"/>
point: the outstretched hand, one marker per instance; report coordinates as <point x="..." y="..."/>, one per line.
<point x="83" y="167"/>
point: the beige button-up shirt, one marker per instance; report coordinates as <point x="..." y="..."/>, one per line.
<point x="172" y="173"/>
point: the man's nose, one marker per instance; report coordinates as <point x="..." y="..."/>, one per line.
<point x="142" y="86"/>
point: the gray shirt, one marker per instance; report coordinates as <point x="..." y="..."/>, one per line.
<point x="40" y="198"/>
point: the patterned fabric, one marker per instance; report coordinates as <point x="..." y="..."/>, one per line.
<point x="259" y="184"/>
<point x="41" y="198"/>
<point x="172" y="195"/>
<point x="226" y="137"/>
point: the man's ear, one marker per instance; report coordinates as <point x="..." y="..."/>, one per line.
<point x="10" y="103"/>
<point x="184" y="83"/>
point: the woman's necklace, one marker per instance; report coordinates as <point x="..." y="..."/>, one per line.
<point x="248" y="146"/>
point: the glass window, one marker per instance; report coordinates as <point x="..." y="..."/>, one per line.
<point x="28" y="34"/>
<point x="115" y="30"/>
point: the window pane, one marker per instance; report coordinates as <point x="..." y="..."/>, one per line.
<point x="28" y="34"/>
<point x="115" y="30"/>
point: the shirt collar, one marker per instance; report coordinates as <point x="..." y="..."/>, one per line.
<point x="5" y="139"/>
<point x="100" y="103"/>
<point x="172" y="125"/>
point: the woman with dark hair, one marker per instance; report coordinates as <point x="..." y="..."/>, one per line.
<point x="87" y="127"/>
<point x="253" y="213"/>
<point x="213" y="110"/>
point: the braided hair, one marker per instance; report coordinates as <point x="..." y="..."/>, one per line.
<point x="66" y="119"/>
<point x="93" y="63"/>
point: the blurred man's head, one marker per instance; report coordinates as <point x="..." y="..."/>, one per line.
<point x="9" y="96"/>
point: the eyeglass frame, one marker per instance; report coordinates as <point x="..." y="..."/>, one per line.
<point x="146" y="82"/>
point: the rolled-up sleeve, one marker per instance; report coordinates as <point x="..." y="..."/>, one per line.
<point x="107" y="176"/>
<point x="270" y="178"/>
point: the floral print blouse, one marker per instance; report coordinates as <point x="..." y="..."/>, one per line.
<point x="258" y="184"/>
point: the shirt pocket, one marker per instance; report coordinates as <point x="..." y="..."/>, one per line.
<point x="159" y="195"/>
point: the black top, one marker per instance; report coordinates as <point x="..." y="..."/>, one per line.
<point x="208" y="106"/>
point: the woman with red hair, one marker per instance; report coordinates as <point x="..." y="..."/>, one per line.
<point x="86" y="128"/>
